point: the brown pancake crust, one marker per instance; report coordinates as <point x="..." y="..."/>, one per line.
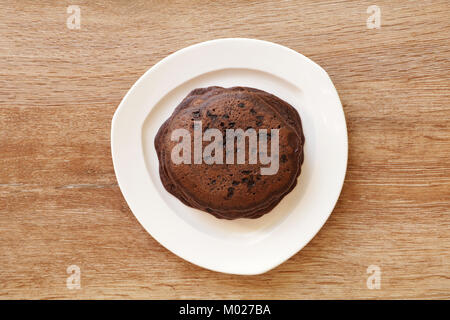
<point x="232" y="191"/>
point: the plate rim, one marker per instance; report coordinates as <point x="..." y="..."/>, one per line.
<point x="294" y="249"/>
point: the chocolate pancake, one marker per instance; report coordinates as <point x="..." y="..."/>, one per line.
<point x="223" y="189"/>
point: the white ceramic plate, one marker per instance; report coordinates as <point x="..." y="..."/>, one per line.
<point x="241" y="246"/>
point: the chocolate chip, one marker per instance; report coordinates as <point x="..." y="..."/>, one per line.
<point x="211" y="115"/>
<point x="246" y="171"/>
<point x="230" y="192"/>
<point x="252" y="111"/>
<point x="235" y="183"/>
<point x="283" y="158"/>
<point x="241" y="105"/>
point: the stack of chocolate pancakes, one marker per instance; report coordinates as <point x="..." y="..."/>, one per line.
<point x="232" y="190"/>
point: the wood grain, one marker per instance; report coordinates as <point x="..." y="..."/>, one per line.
<point x="59" y="200"/>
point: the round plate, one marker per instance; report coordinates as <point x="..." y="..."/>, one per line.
<point x="240" y="246"/>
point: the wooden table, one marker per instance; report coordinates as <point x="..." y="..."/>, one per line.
<point x="59" y="200"/>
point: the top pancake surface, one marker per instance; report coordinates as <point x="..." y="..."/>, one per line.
<point x="232" y="191"/>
